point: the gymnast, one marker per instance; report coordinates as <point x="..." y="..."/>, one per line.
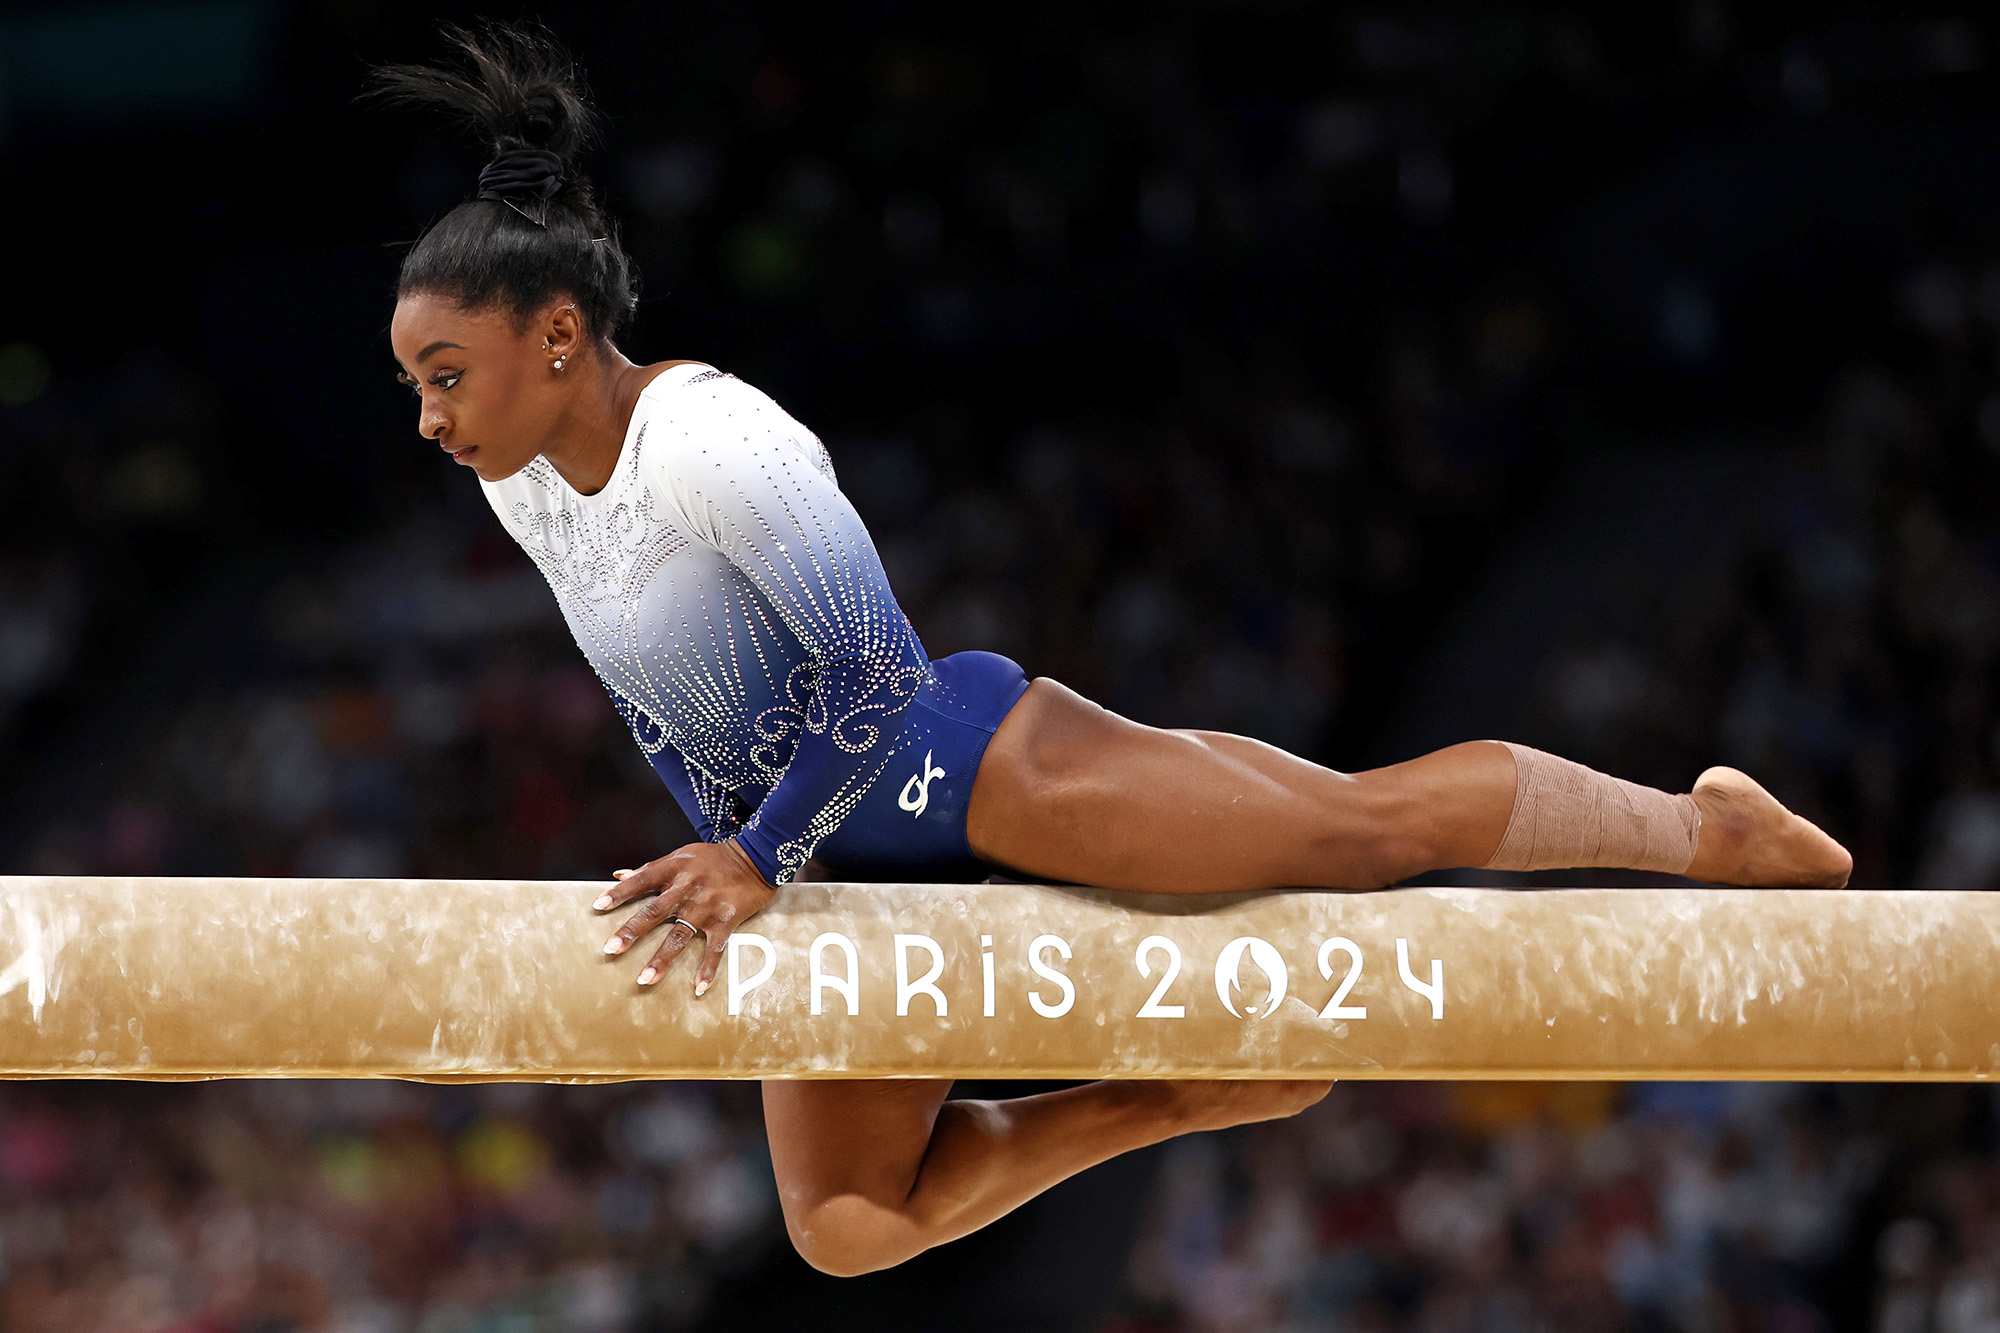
<point x="731" y="601"/>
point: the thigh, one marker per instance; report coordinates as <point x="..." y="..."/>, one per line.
<point x="833" y="1137"/>
<point x="1069" y="790"/>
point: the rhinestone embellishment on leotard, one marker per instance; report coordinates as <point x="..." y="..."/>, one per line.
<point x="733" y="604"/>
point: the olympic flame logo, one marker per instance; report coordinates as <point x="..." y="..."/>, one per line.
<point x="1265" y="956"/>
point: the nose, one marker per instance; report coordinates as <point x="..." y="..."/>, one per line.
<point x="431" y="423"/>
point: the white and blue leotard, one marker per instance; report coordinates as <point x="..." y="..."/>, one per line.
<point x="730" y="599"/>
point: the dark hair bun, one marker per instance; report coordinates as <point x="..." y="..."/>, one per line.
<point x="533" y="232"/>
<point x="519" y="90"/>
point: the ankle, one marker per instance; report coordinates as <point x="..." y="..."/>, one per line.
<point x="1567" y="815"/>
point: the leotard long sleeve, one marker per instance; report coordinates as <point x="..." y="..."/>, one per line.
<point x="709" y="806"/>
<point x="732" y="602"/>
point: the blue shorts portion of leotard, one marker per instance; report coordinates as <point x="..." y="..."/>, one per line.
<point x="911" y="825"/>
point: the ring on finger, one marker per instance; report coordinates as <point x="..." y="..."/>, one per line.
<point x="652" y="969"/>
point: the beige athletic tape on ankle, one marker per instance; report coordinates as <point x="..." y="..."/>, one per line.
<point x="1566" y="815"/>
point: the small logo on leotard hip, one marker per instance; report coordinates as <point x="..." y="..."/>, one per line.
<point x="917" y="791"/>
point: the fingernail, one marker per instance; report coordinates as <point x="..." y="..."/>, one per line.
<point x="614" y="945"/>
<point x="648" y="977"/>
<point x="603" y="901"/>
<point x="701" y="988"/>
<point x="620" y="874"/>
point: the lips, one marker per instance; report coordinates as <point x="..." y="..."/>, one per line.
<point x="462" y="453"/>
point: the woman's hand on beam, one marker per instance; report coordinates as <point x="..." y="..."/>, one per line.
<point x="706" y="888"/>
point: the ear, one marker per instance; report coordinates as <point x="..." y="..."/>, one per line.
<point x="561" y="330"/>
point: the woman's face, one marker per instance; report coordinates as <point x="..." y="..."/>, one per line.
<point x="488" y="392"/>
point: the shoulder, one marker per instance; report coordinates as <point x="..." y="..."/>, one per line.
<point x="697" y="396"/>
<point x="700" y="419"/>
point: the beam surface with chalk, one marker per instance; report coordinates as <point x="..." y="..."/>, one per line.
<point x="471" y="980"/>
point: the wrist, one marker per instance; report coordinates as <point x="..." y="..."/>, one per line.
<point x="748" y="861"/>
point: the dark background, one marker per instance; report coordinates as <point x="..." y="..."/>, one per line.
<point x="1620" y="380"/>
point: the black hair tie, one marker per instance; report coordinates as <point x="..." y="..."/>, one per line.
<point x="524" y="179"/>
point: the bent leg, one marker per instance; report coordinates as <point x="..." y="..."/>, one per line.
<point x="1070" y="791"/>
<point x="874" y="1171"/>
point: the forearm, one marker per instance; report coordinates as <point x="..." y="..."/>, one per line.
<point x="984" y="1159"/>
<point x="827" y="773"/>
<point x="710" y="808"/>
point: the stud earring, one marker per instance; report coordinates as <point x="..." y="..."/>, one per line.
<point x="559" y="362"/>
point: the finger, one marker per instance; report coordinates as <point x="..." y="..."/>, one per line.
<point x="678" y="935"/>
<point x="718" y="942"/>
<point x="653" y="877"/>
<point x="609" y="899"/>
<point x="629" y="884"/>
<point x="649" y="915"/>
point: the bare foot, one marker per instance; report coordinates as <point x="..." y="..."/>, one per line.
<point x="1217" y="1103"/>
<point x="1748" y="838"/>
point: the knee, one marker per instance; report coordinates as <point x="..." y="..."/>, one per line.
<point x="829" y="1256"/>
<point x="839" y="1238"/>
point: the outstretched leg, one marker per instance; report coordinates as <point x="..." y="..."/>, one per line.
<point x="1070" y="791"/>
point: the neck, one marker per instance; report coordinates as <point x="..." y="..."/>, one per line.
<point x="587" y="437"/>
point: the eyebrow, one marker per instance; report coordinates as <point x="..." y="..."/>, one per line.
<point x="436" y="347"/>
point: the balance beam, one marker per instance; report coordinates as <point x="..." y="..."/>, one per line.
<point x="484" y="980"/>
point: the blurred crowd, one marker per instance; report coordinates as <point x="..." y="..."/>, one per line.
<point x="419" y="711"/>
<point x="380" y="1207"/>
<point x="1577" y="1207"/>
<point x="377" y="1207"/>
<point x="1194" y="358"/>
<point x="1846" y="653"/>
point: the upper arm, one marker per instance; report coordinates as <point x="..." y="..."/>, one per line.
<point x="744" y="477"/>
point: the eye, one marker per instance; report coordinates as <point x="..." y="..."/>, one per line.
<point x="443" y="379"/>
